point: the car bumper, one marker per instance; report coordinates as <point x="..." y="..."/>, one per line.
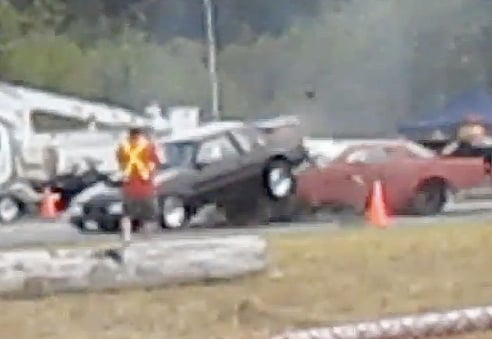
<point x="298" y="155"/>
<point x="96" y="222"/>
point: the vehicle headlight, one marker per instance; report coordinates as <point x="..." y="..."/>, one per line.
<point x="115" y="208"/>
<point x="75" y="210"/>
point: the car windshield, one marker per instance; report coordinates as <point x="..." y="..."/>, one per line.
<point x="179" y="154"/>
<point x="419" y="150"/>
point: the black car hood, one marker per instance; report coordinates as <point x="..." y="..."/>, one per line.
<point x="168" y="175"/>
<point x="102" y="191"/>
<point x="108" y="197"/>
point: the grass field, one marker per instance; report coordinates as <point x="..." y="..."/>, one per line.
<point x="315" y="279"/>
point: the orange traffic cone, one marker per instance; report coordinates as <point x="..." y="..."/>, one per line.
<point x="48" y="204"/>
<point x="377" y="214"/>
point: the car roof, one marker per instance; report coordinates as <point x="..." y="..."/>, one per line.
<point x="281" y="121"/>
<point x="379" y="143"/>
<point x="410" y="145"/>
<point x="205" y="131"/>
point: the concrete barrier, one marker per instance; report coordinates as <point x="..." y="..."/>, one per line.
<point x="34" y="273"/>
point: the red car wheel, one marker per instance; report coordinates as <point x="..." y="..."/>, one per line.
<point x="429" y="198"/>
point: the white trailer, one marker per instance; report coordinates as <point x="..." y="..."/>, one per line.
<point x="43" y="135"/>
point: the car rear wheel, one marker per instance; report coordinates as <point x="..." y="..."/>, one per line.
<point x="279" y="180"/>
<point x="110" y="226"/>
<point x="10" y="209"/>
<point x="174" y="213"/>
<point x="429" y="199"/>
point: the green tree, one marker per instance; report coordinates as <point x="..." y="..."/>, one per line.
<point x="373" y="61"/>
<point x="41" y="59"/>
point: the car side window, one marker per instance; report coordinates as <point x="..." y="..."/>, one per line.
<point x="249" y="139"/>
<point x="216" y="149"/>
<point x="245" y="140"/>
<point x="229" y="151"/>
<point x="209" y="152"/>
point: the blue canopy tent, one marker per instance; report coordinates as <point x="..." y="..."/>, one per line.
<point x="475" y="103"/>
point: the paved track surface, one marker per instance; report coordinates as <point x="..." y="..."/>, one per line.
<point x="38" y="233"/>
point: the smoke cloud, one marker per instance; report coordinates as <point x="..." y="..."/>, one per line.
<point x="370" y="63"/>
<point x="344" y="66"/>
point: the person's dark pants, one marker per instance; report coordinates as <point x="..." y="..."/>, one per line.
<point x="140" y="210"/>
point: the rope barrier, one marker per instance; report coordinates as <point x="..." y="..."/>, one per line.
<point x="414" y="326"/>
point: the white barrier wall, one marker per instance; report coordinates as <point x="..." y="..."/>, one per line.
<point x="140" y="264"/>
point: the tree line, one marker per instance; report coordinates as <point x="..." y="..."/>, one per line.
<point x="334" y="62"/>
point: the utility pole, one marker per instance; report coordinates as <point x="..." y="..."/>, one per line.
<point x="212" y="58"/>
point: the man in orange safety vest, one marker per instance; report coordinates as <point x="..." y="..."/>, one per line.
<point x="137" y="158"/>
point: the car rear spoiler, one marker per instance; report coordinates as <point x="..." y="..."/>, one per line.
<point x="283" y="129"/>
<point x="274" y="123"/>
<point x="285" y="132"/>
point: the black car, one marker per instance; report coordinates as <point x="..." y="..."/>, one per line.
<point x="234" y="165"/>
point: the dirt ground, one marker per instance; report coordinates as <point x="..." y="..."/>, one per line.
<point x="314" y="279"/>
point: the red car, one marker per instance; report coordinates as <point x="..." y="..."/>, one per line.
<point x="415" y="179"/>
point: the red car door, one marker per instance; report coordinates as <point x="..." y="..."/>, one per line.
<point x="346" y="181"/>
<point x="365" y="166"/>
<point x="352" y="176"/>
<point x="400" y="174"/>
<point x="340" y="185"/>
<point x="365" y="175"/>
<point x="399" y="177"/>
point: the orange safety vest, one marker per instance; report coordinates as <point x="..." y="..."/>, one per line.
<point x="135" y="159"/>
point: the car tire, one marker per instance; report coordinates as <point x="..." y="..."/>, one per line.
<point x="174" y="213"/>
<point x="429" y="199"/>
<point x="10" y="209"/>
<point x="279" y="180"/>
<point x="109" y="227"/>
<point x="96" y="228"/>
<point x="77" y="223"/>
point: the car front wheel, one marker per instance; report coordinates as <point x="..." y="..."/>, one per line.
<point x="174" y="213"/>
<point x="10" y="209"/>
<point x="429" y="199"/>
<point x="279" y="180"/>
